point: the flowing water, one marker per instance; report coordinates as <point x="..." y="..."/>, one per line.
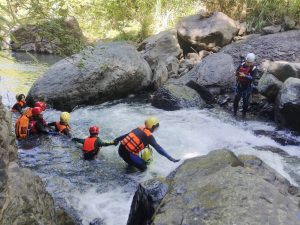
<point x="102" y="190"/>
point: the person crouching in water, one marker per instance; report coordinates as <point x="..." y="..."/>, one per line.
<point x="62" y="126"/>
<point x="137" y="140"/>
<point x="37" y="124"/>
<point x="245" y="74"/>
<point x="20" y="104"/>
<point x="92" y="144"/>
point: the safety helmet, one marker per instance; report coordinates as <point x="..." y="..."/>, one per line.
<point x="19" y="97"/>
<point x="36" y="111"/>
<point x="65" y="117"/>
<point x="151" y="121"/>
<point x="147" y="154"/>
<point x="42" y="105"/>
<point x="250" y="57"/>
<point x="94" y="130"/>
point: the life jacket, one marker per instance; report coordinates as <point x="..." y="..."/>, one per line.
<point x="245" y="70"/>
<point x="60" y="127"/>
<point x="21" y="103"/>
<point x="21" y="127"/>
<point x="89" y="144"/>
<point x="136" y="140"/>
<point x="28" y="112"/>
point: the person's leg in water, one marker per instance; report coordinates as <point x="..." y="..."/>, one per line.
<point x="132" y="159"/>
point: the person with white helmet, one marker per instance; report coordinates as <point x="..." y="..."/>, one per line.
<point x="245" y="74"/>
<point x="62" y="126"/>
<point x="137" y="140"/>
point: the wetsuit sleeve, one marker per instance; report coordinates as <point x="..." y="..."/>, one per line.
<point x="253" y="72"/>
<point x="237" y="70"/>
<point x="79" y="140"/>
<point x="51" y="124"/>
<point x="67" y="132"/>
<point x="41" y="128"/>
<point x="18" y="108"/>
<point x="158" y="148"/>
<point x="121" y="137"/>
<point x="101" y="143"/>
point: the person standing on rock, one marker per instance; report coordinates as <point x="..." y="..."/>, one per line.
<point x="92" y="144"/>
<point x="138" y="139"/>
<point x="245" y="74"/>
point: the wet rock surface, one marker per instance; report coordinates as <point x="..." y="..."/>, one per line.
<point x="106" y="72"/>
<point x="287" y="108"/>
<point x="221" y="188"/>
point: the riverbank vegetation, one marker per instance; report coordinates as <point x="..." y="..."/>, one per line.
<point x="134" y="19"/>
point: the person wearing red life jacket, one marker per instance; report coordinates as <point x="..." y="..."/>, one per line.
<point x="137" y="140"/>
<point x="20" y="104"/>
<point x="92" y="144"/>
<point x="28" y="111"/>
<point x="245" y="75"/>
<point x="37" y="124"/>
<point x="62" y="126"/>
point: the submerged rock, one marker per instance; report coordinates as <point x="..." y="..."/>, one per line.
<point x="221" y="188"/>
<point x="106" y="72"/>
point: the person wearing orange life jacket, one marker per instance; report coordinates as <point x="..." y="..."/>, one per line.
<point x="245" y="75"/>
<point x="22" y="126"/>
<point x="37" y="124"/>
<point x="138" y="139"/>
<point x="20" y="104"/>
<point x="92" y="144"/>
<point x="63" y="125"/>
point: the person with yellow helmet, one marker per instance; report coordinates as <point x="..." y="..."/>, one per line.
<point x="62" y="126"/>
<point x="137" y="140"/>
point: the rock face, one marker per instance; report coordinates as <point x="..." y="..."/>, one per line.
<point x="173" y="97"/>
<point x="106" y="72"/>
<point x="221" y="188"/>
<point x="287" y="109"/>
<point x="282" y="70"/>
<point x="281" y="46"/>
<point x="201" y="32"/>
<point x="272" y="29"/>
<point x="48" y="37"/>
<point x="161" y="46"/>
<point x="24" y="199"/>
<point x="269" y="86"/>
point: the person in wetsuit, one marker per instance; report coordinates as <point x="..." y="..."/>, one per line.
<point x="37" y="124"/>
<point x="62" y="126"/>
<point x="20" y="104"/>
<point x="92" y="144"/>
<point x="135" y="141"/>
<point x="245" y="74"/>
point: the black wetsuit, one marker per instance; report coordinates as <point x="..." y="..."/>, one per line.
<point x="65" y="131"/>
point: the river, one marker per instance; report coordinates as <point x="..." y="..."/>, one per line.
<point x="102" y="190"/>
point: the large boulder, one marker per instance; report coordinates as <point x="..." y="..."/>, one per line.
<point x="281" y="46"/>
<point x="57" y="36"/>
<point x="282" y="70"/>
<point x="221" y="188"/>
<point x="287" y="109"/>
<point x="23" y="197"/>
<point x="214" y="75"/>
<point x="163" y="47"/>
<point x="106" y="72"/>
<point x="199" y="32"/>
<point x="176" y="96"/>
<point x="269" y="86"/>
